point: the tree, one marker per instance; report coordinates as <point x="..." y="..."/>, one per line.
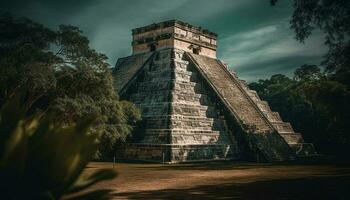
<point x="57" y="72"/>
<point x="332" y="17"/>
<point x="307" y="72"/>
<point x="316" y="106"/>
<point x="325" y="95"/>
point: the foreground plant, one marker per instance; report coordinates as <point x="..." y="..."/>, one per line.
<point x="41" y="159"/>
<point x="57" y="71"/>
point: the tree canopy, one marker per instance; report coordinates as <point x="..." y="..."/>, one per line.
<point x="332" y="18"/>
<point x="316" y="105"/>
<point x="56" y="71"/>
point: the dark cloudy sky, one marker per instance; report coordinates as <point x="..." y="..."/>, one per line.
<point x="254" y="38"/>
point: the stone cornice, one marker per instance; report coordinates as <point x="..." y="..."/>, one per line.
<point x="178" y="24"/>
<point x="175" y="36"/>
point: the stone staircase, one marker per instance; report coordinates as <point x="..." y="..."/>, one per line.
<point x="285" y="129"/>
<point x="177" y="112"/>
<point x="191" y="106"/>
<point x="261" y="134"/>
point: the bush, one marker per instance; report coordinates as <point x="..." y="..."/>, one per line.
<point x="43" y="159"/>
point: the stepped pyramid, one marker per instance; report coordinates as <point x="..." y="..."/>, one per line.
<point x="193" y="107"/>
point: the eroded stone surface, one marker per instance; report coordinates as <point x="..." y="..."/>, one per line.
<point x="179" y="118"/>
<point x="193" y="108"/>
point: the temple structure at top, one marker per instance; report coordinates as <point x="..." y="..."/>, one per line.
<point x="193" y="107"/>
<point x="174" y="34"/>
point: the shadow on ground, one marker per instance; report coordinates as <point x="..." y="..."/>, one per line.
<point x="229" y="165"/>
<point x="329" y="187"/>
<point x="224" y="165"/>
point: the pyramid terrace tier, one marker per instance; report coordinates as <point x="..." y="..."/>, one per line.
<point x="179" y="96"/>
<point x="173" y="153"/>
<point x="184" y="136"/>
<point x="190" y="101"/>
<point x="177" y="109"/>
<point x="185" y="122"/>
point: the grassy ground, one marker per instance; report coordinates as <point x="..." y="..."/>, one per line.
<point x="227" y="180"/>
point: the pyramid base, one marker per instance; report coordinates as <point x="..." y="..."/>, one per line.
<point x="304" y="149"/>
<point x="171" y="153"/>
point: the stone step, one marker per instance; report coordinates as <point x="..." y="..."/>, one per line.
<point x="231" y="92"/>
<point x="193" y="118"/>
<point x="189" y="86"/>
<point x="150" y="86"/>
<point x="146" y="98"/>
<point x="186" y="92"/>
<point x="184" y="136"/>
<point x="180" y="117"/>
<point x="162" y="96"/>
<point x="165" y="74"/>
<point x="194" y="110"/>
<point x="180" y="131"/>
<point x="263" y="106"/>
<point x="283" y="127"/>
<point x="179" y="121"/>
<point x="143" y="94"/>
<point x="174" y="104"/>
<point x="205" y="124"/>
<point x="220" y="138"/>
<point x="184" y="71"/>
<point x="163" y="108"/>
<point x="170" y="85"/>
<point x="162" y="62"/>
<point x="190" y="98"/>
<point x="172" y="80"/>
<point x="243" y="82"/>
<point x="186" y="76"/>
<point x="157" y="67"/>
<point x="181" y="65"/>
<point x="150" y="109"/>
<point x="273" y="116"/>
<point x="253" y="95"/>
<point x="292" y="137"/>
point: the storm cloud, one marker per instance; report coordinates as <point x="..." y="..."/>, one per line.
<point x="254" y="37"/>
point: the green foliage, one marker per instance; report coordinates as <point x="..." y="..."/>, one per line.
<point x="307" y="72"/>
<point x="41" y="158"/>
<point x="332" y="18"/>
<point x="316" y="105"/>
<point x="57" y="72"/>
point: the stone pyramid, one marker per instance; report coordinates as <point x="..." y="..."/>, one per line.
<point x="193" y="108"/>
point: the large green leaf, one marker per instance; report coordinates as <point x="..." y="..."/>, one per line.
<point x="43" y="159"/>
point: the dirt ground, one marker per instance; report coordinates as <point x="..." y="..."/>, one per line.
<point x="227" y="180"/>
